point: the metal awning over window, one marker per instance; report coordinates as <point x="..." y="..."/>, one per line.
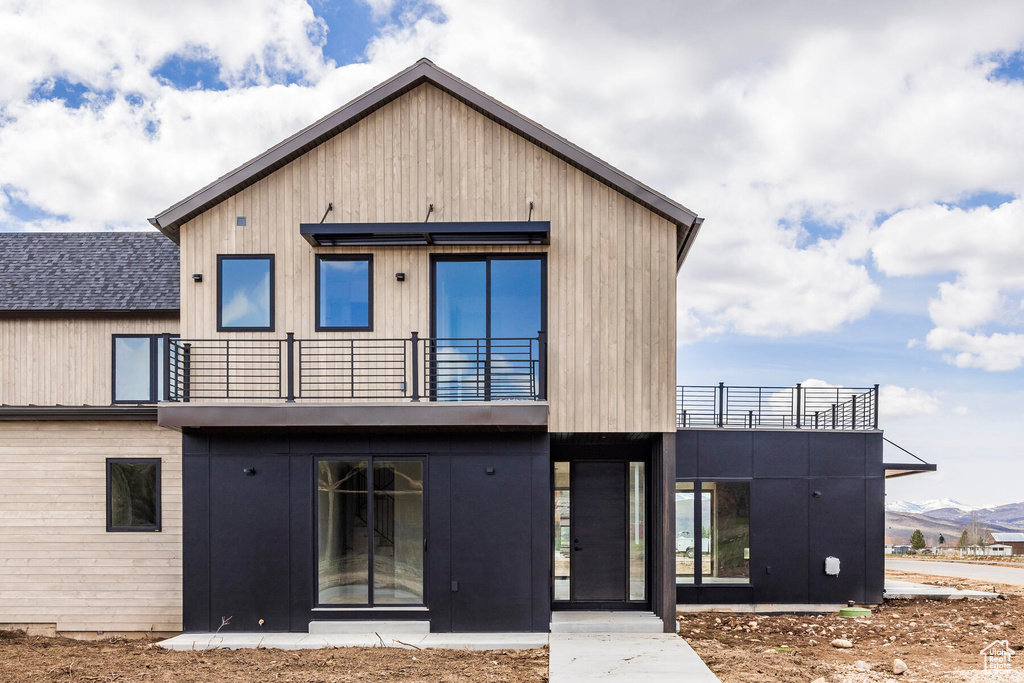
<point x="427" y="233"/>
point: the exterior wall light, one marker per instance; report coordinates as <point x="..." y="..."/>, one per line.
<point x="197" y="277"/>
<point x="400" y="277"/>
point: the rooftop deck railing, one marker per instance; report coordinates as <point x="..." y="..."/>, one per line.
<point x="413" y="368"/>
<point x="797" y="407"/>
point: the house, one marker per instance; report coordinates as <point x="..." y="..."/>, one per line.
<point x="423" y="371"/>
<point x="1013" y="539"/>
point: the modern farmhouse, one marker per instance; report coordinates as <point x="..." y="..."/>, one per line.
<point x="416" y="363"/>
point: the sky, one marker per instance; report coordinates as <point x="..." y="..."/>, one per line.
<point x="860" y="165"/>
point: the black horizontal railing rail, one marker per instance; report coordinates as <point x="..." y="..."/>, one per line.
<point x="413" y="368"/>
<point x="796" y="407"/>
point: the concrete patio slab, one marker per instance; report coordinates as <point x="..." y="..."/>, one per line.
<point x="647" y="657"/>
<point x="307" y="641"/>
<point x="908" y="589"/>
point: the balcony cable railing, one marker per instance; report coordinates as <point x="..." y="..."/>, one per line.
<point x="797" y="407"/>
<point x="413" y="368"/>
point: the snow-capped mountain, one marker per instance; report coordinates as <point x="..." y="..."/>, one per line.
<point x="929" y="505"/>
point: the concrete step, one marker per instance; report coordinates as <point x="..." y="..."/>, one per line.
<point x="396" y="627"/>
<point x="606" y="622"/>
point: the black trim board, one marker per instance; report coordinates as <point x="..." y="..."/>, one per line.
<point x="894" y="470"/>
<point x="78" y="413"/>
<point x="170" y="220"/>
<point x="425" y="234"/>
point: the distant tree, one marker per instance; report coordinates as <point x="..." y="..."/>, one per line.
<point x="942" y="540"/>
<point x="977" y="529"/>
<point x="965" y="540"/>
<point x="917" y="540"/>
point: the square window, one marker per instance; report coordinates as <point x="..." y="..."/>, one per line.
<point x="138" y="367"/>
<point x="133" y="494"/>
<point x="344" y="292"/>
<point x="245" y="293"/>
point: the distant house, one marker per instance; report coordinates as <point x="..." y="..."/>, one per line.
<point x="1013" y="539"/>
<point x="994" y="549"/>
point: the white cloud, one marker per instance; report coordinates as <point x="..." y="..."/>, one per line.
<point x="895" y="401"/>
<point x="981" y="248"/>
<point x="789" y="130"/>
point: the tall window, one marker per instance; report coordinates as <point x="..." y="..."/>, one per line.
<point x="370" y="532"/>
<point x="133" y="494"/>
<point x="713" y="532"/>
<point x="344" y="292"/>
<point x="138" y="368"/>
<point x="245" y="293"/>
<point x="488" y="311"/>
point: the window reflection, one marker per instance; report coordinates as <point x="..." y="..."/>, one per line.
<point x="487" y="315"/>
<point x="344" y="292"/>
<point x="352" y="527"/>
<point x="133" y="371"/>
<point x="563" y="546"/>
<point x="728" y="529"/>
<point x="245" y="290"/>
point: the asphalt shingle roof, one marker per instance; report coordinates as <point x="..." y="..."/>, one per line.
<point x="88" y="271"/>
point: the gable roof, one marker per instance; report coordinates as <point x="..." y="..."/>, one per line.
<point x="117" y="272"/>
<point x="1007" y="537"/>
<point x="170" y="220"/>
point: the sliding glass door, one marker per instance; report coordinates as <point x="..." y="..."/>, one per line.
<point x="370" y="530"/>
<point x="487" y="314"/>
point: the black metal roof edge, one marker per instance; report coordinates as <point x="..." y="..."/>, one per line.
<point x="906" y="469"/>
<point x="169" y="220"/>
<point x="74" y="413"/>
<point x="8" y="313"/>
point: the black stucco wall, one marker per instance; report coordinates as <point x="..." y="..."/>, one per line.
<point x="249" y="540"/>
<point x="792" y="531"/>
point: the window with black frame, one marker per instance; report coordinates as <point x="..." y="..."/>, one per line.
<point x="712" y="532"/>
<point x="137" y="367"/>
<point x="488" y="312"/>
<point x="245" y="293"/>
<point x="370" y="531"/>
<point x="133" y="494"/>
<point x="344" y="292"/>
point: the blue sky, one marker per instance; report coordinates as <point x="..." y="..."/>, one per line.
<point x="860" y="167"/>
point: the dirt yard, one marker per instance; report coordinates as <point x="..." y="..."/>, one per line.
<point x="939" y="641"/>
<point x="26" y="659"/>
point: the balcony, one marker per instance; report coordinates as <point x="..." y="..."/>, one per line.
<point x="499" y="383"/>
<point x="798" y="407"/>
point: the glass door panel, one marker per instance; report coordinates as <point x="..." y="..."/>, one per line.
<point x="563" y="540"/>
<point x="397" y="532"/>
<point x="515" y="320"/>
<point x="458" y="356"/>
<point x="343" y="542"/>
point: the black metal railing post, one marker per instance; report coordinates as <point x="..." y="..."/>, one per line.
<point x="542" y="365"/>
<point x="166" y="369"/>
<point x="853" y="411"/>
<point x="290" y="343"/>
<point x="721" y="404"/>
<point x="799" y="392"/>
<point x="876" y="406"/>
<point x="186" y="367"/>
<point x="415" y="340"/>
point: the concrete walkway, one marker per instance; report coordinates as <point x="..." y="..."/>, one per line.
<point x="990" y="574"/>
<point x="647" y="657"/>
<point x="573" y="657"/>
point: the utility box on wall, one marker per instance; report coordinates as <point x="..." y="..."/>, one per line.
<point x="832" y="566"/>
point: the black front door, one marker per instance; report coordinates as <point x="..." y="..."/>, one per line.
<point x="600" y="562"/>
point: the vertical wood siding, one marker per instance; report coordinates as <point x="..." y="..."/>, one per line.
<point x="64" y="361"/>
<point x="58" y="564"/>
<point x="611" y="264"/>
